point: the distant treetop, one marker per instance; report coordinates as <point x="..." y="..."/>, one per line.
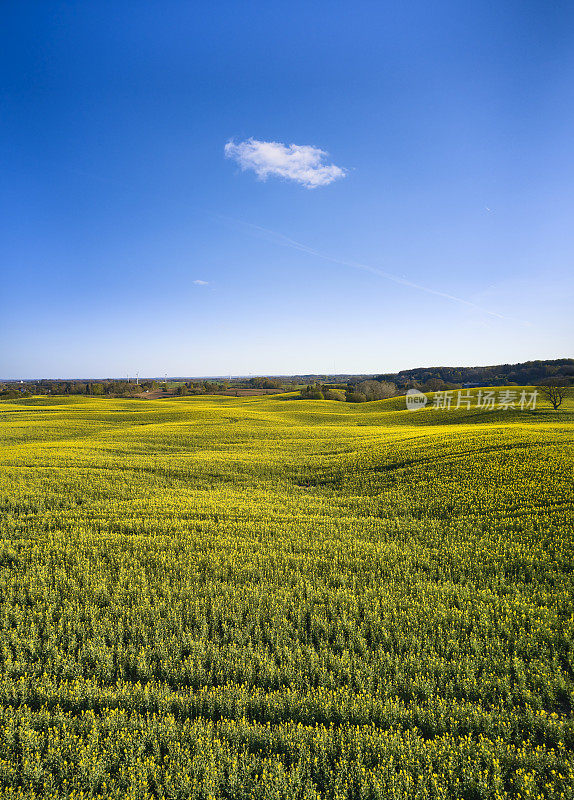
<point x="523" y="374"/>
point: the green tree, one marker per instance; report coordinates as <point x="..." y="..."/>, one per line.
<point x="334" y="394"/>
<point x="356" y="397"/>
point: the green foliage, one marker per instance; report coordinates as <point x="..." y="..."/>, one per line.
<point x="528" y="372"/>
<point x="265" y="383"/>
<point x="251" y="598"/>
<point x="355" y="396"/>
<point x="314" y="391"/>
<point x="319" y="391"/>
<point x="334" y="394"/>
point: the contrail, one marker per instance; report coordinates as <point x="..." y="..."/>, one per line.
<point x="285" y="241"/>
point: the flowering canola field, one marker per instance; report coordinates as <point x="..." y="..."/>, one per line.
<point x="270" y="598"/>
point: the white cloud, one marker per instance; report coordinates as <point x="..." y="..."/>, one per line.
<point x="301" y="163"/>
<point x="201" y="283"/>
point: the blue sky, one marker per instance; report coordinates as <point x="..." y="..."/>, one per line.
<point x="437" y="228"/>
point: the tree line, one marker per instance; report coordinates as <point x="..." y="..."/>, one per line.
<point x="526" y="373"/>
<point x="96" y="388"/>
<point x="355" y="389"/>
<point x="362" y="392"/>
<point x="130" y="388"/>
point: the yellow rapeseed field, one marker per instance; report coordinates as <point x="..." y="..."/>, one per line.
<point x="268" y="597"/>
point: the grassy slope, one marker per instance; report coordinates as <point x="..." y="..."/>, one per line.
<point x="378" y="602"/>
